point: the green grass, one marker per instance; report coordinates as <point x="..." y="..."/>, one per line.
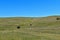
<point x="45" y="28"/>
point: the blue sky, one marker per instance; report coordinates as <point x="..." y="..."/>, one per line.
<point x="29" y="8"/>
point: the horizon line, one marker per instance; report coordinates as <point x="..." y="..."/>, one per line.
<point x="27" y="16"/>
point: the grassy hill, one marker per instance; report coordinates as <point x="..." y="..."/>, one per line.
<point x="43" y="28"/>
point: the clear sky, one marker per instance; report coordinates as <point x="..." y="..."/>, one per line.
<point x="11" y="8"/>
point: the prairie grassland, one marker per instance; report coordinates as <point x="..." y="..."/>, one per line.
<point x="47" y="28"/>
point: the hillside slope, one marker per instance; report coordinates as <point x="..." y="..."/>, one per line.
<point x="44" y="28"/>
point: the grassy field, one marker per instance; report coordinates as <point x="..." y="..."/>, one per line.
<point x="44" y="28"/>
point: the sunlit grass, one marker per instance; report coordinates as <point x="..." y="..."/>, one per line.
<point x="47" y="28"/>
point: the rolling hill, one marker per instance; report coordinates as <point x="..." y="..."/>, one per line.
<point x="42" y="28"/>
